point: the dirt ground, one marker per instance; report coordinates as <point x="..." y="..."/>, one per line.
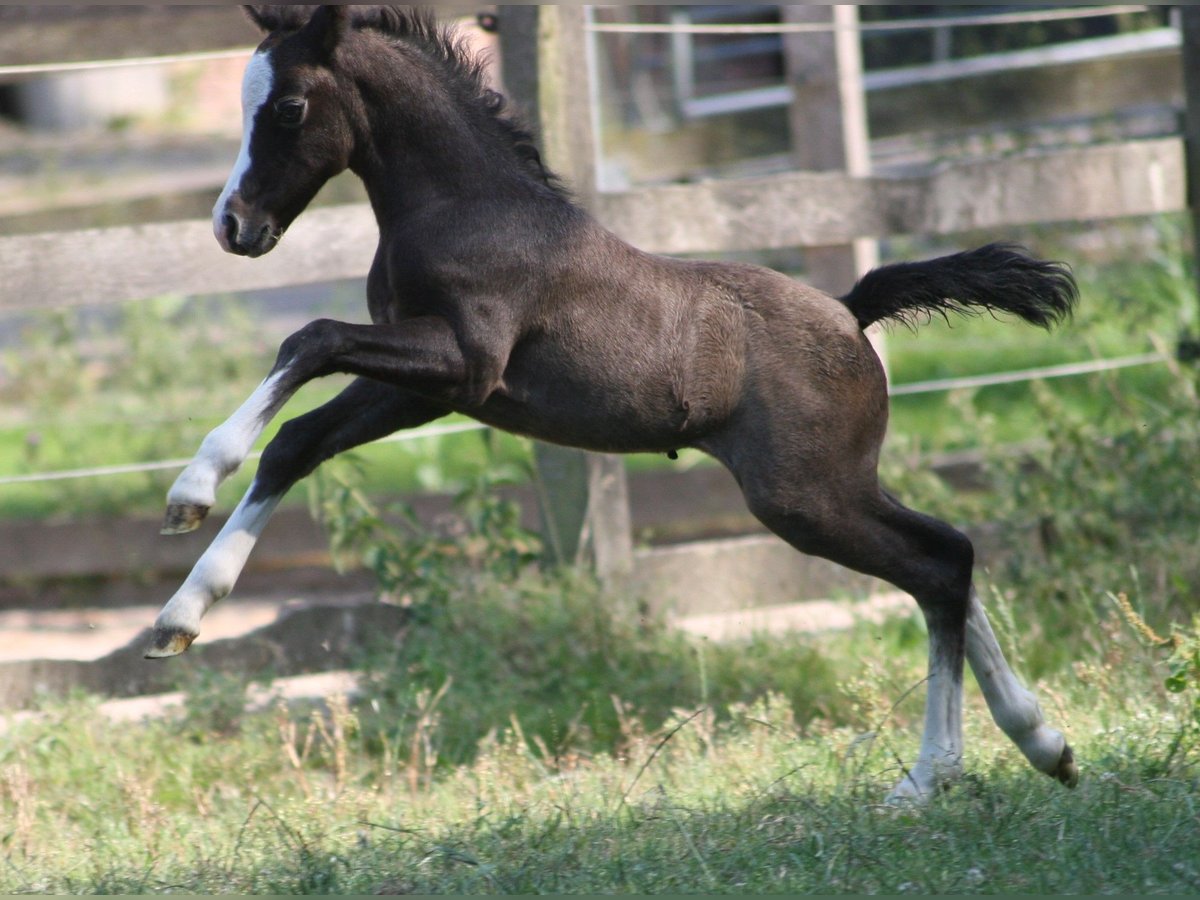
<point x="87" y="634"/>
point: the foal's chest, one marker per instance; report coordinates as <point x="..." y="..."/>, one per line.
<point x="394" y="294"/>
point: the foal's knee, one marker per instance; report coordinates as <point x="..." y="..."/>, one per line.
<point x="311" y="349"/>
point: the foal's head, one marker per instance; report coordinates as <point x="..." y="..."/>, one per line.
<point x="296" y="133"/>
<point x="376" y="89"/>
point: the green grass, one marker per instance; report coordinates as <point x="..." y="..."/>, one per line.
<point x="750" y="800"/>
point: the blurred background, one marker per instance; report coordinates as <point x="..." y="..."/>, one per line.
<point x="127" y="117"/>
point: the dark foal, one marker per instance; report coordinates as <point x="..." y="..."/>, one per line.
<point x="493" y="295"/>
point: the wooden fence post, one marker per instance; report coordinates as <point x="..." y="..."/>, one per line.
<point x="828" y="119"/>
<point x="583" y="496"/>
<point x="1189" y="343"/>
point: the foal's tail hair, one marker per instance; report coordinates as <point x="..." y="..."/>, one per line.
<point x="996" y="277"/>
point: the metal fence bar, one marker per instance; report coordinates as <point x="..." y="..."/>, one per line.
<point x="872" y="27"/>
<point x="31" y="69"/>
<point x="1062" y="53"/>
<point x="899" y="390"/>
<point x="165" y="464"/>
<point x="1037" y="374"/>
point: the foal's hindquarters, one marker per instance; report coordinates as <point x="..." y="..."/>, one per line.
<point x="804" y="447"/>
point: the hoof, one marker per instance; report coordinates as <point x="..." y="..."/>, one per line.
<point x="167" y="642"/>
<point x="907" y="794"/>
<point x="1066" y="771"/>
<point x="182" y="518"/>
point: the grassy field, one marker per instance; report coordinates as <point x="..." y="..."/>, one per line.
<point x="724" y="796"/>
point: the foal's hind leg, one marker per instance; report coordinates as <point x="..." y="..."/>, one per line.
<point x="364" y="412"/>
<point x="1014" y="708"/>
<point x="866" y="530"/>
<point x="870" y="532"/>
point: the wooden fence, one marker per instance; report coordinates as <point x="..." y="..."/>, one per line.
<point x="794" y="209"/>
<point x="543" y="50"/>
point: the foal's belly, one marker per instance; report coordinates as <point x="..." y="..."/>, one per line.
<point x="611" y="414"/>
<point x="601" y="427"/>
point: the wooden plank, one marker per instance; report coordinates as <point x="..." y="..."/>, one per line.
<point x="827" y="119"/>
<point x="794" y="209"/>
<point x="106" y="561"/>
<point x="39" y="35"/>
<point x="1078" y="184"/>
<point x="45" y="35"/>
<point x="1189" y="347"/>
<point x="802" y="209"/>
<point x="110" y="265"/>
<point x="828" y="122"/>
<point x="584" y="497"/>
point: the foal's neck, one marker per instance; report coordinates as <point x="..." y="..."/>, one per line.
<point x="419" y="145"/>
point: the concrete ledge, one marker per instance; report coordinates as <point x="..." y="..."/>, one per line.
<point x="316" y="639"/>
<point x="809" y="616"/>
<point x="737" y="573"/>
<point x="283" y="637"/>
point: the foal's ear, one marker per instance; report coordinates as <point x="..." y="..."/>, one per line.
<point x="329" y="25"/>
<point x="270" y="19"/>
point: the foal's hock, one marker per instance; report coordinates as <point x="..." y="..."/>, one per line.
<point x="494" y="295"/>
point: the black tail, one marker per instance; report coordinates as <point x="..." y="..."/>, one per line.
<point x="996" y="277"/>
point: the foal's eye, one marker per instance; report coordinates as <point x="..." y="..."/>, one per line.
<point x="289" y="112"/>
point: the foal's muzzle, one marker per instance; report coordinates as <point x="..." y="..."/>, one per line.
<point x="241" y="229"/>
<point x="247" y="236"/>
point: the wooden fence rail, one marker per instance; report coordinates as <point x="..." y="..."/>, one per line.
<point x="1134" y="178"/>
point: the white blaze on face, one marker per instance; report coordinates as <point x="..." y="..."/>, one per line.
<point x="256" y="88"/>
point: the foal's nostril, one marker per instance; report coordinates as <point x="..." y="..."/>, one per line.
<point x="230" y="222"/>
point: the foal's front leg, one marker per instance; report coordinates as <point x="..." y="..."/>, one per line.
<point x="364" y="412"/>
<point x="422" y="351"/>
<point x="222" y="453"/>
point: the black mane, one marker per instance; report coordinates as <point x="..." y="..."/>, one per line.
<point x="446" y="48"/>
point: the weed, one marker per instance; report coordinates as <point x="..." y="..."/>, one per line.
<point x="742" y="802"/>
<point x="484" y="537"/>
<point x="1099" y="501"/>
<point x="494" y="642"/>
<point x="214" y="703"/>
<point x="18" y="793"/>
<point x="1181" y="649"/>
